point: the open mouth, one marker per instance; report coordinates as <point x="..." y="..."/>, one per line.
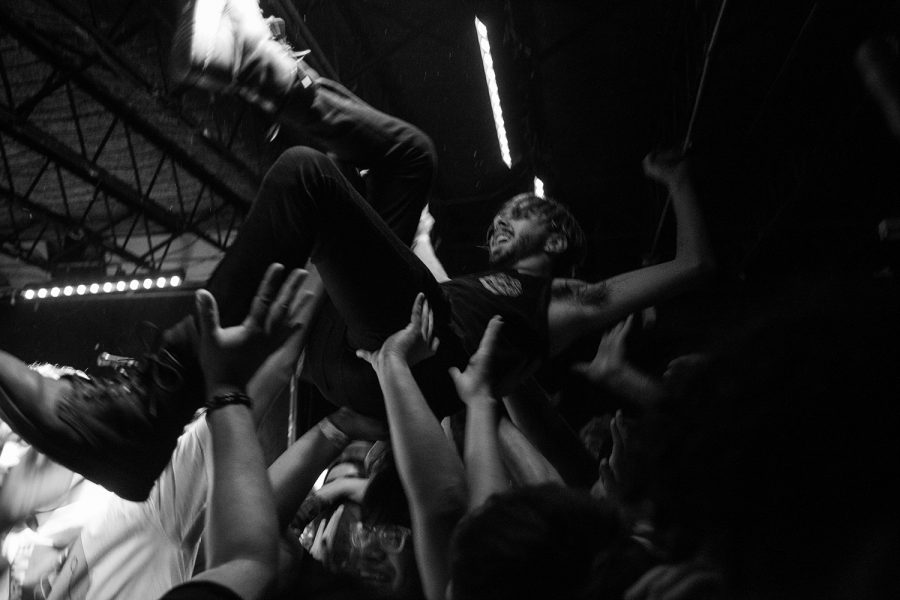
<point x="377" y="577"/>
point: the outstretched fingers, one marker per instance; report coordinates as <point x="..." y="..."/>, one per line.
<point x="287" y="302"/>
<point x="265" y="295"/>
<point x="207" y="312"/>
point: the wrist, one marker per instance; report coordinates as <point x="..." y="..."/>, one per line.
<point x="333" y="434"/>
<point x="482" y="401"/>
<point x="219" y="387"/>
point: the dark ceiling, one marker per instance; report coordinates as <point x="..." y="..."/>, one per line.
<point x="796" y="166"/>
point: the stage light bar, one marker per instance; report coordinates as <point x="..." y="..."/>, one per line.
<point x="118" y="285"/>
<point x="493" y="90"/>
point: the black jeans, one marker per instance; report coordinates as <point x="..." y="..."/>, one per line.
<point x="307" y="209"/>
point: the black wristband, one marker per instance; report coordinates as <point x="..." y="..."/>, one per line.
<point x="220" y="400"/>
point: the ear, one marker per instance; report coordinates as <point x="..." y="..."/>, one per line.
<point x="555" y="244"/>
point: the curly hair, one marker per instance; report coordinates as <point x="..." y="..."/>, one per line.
<point x="559" y="219"/>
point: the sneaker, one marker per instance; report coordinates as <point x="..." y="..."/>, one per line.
<point x="117" y="431"/>
<point x="227" y="46"/>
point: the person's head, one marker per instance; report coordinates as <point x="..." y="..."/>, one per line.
<point x="545" y="542"/>
<point x="528" y="226"/>
<point x="383" y="536"/>
<point x="371" y="543"/>
<point x="344" y="467"/>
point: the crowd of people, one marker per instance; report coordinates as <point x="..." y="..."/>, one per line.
<point x="756" y="467"/>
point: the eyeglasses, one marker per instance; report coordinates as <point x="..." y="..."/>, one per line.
<point x="391" y="538"/>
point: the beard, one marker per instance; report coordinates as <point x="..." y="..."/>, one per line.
<point x="522" y="246"/>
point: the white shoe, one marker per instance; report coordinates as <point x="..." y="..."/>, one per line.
<point x="226" y="46"/>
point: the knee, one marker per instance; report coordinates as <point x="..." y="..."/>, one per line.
<point x="415" y="151"/>
<point x="420" y="150"/>
<point x="301" y="159"/>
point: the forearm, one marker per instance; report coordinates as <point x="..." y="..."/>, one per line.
<point x="430" y="471"/>
<point x="530" y="411"/>
<point x="525" y="464"/>
<point x="296" y="470"/>
<point x="426" y="461"/>
<point x="485" y="472"/>
<point x="241" y="523"/>
<point x="692" y="242"/>
<point x="271" y="379"/>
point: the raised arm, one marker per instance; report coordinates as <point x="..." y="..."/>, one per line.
<point x="296" y="470"/>
<point x="579" y="308"/>
<point x="429" y="467"/>
<point x="241" y="528"/>
<point x="485" y="472"/>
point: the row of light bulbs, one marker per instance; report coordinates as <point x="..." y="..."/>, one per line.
<point x="107" y="287"/>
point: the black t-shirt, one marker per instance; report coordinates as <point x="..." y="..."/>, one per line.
<point x="200" y="590"/>
<point x="522" y="300"/>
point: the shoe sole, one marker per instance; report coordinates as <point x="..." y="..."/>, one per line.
<point x="122" y="480"/>
<point x="195" y="36"/>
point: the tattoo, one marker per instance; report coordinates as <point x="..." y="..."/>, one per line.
<point x="580" y="292"/>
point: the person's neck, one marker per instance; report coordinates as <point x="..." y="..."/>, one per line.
<point x="536" y="265"/>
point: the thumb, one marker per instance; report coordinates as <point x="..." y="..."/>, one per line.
<point x="455" y="374"/>
<point x="207" y="312"/>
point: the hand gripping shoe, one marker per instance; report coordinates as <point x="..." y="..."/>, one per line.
<point x="118" y="431"/>
<point x="227" y="46"/>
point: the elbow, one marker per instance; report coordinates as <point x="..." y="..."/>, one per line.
<point x="699" y="268"/>
<point x="706" y="266"/>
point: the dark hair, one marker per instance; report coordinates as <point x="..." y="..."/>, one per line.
<point x="559" y="220"/>
<point x="776" y="457"/>
<point x="545" y="542"/>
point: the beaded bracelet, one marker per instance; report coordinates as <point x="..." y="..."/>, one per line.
<point x="220" y="400"/>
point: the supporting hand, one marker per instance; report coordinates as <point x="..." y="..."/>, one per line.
<point x="476" y="383"/>
<point x="610" y="357"/>
<point x="413" y="343"/>
<point x="231" y="355"/>
<point x="667" y="167"/>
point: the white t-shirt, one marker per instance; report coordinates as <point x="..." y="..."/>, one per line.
<point x="126" y="549"/>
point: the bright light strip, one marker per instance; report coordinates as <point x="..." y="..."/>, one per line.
<point x="538" y="188"/>
<point x="101" y="287"/>
<point x="493" y="91"/>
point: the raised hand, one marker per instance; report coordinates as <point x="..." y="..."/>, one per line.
<point x="413" y="344"/>
<point x="231" y="355"/>
<point x="666" y="167"/>
<point x="477" y="381"/>
<point x="610" y="356"/>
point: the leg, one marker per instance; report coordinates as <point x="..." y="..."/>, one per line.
<point x="399" y="157"/>
<point x="307" y="209"/>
